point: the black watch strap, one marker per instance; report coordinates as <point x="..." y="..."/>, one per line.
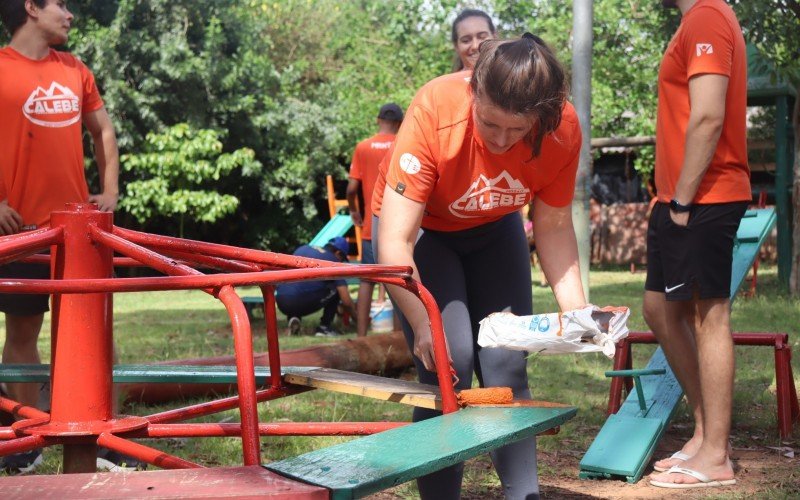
<point x="675" y="206"/>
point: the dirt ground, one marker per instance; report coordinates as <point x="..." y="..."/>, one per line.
<point x="761" y="472"/>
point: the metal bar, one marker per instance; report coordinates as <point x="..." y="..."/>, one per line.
<point x="623" y="352"/>
<point x="118" y="261"/>
<point x="225" y="251"/>
<point x="378" y="273"/>
<point x="25" y="244"/>
<point x="213" y="262"/>
<point x="144" y="453"/>
<point x="783" y="197"/>
<point x="19" y="410"/>
<point x="21" y="445"/>
<point x="245" y="374"/>
<point x="143" y="255"/>
<point x="444" y="372"/>
<point x="211" y="407"/>
<point x="82" y="357"/>
<point x="271" y="429"/>
<point x="739" y="338"/>
<point x="635" y="373"/>
<point x="273" y="350"/>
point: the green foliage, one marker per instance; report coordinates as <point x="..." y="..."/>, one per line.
<point x="173" y="166"/>
<point x="299" y="82"/>
<point x="774" y="28"/>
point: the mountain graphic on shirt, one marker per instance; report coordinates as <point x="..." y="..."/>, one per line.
<point x="58" y="106"/>
<point x="486" y="195"/>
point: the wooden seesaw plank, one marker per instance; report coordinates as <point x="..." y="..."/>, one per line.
<point x="252" y="482"/>
<point x="371" y="386"/>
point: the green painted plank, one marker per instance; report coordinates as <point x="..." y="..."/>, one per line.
<point x="338" y="226"/>
<point x="626" y="442"/>
<point x="749" y="237"/>
<point x="163" y="374"/>
<point x="618" y="448"/>
<point x="373" y="463"/>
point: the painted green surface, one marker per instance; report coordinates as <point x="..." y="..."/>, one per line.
<point x="338" y="226"/>
<point x="373" y="463"/>
<point x="163" y="374"/>
<point x="626" y="442"/>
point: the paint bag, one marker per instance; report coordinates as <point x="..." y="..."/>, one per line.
<point x="589" y="329"/>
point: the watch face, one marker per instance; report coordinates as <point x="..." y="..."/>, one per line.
<point x="677" y="207"/>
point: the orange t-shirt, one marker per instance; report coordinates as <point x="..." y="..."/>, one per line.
<point x="41" y="152"/>
<point x="438" y="159"/>
<point x="708" y="41"/>
<point x="364" y="168"/>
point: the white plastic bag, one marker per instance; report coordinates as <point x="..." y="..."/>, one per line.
<point x="589" y="329"/>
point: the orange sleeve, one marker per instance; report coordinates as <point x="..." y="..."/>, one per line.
<point x="707" y="43"/>
<point x="356" y="165"/>
<point x="412" y="168"/>
<point x="91" y="96"/>
<point x="561" y="190"/>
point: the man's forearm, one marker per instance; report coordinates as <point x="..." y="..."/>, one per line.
<point x="107" y="157"/>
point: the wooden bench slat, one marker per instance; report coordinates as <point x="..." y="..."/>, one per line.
<point x="373" y="463"/>
<point x="228" y="482"/>
<point x="398" y="391"/>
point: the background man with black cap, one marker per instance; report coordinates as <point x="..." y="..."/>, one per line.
<point x="302" y="298"/>
<point x="363" y="173"/>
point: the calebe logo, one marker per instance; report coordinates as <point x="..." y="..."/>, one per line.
<point x="485" y="195"/>
<point x="704" y="49"/>
<point x="58" y="106"/>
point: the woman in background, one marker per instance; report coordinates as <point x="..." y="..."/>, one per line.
<point x="470" y="28"/>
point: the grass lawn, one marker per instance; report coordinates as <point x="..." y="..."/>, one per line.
<point x="158" y="326"/>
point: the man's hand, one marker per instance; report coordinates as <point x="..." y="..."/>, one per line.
<point x="357" y="219"/>
<point x="10" y="220"/>
<point x="680" y="219"/>
<point x="106" y="202"/>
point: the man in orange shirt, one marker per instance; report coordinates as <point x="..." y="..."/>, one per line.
<point x="45" y="95"/>
<point x="363" y="173"/>
<point x="703" y="185"/>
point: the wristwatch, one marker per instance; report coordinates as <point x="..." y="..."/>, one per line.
<point x="676" y="207"/>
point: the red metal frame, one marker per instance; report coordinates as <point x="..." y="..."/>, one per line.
<point x="788" y="409"/>
<point x="83" y="241"/>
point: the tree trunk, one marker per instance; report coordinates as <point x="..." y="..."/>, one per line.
<point x="794" y="276"/>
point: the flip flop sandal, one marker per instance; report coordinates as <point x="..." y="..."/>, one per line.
<point x="704" y="481"/>
<point x="678" y="455"/>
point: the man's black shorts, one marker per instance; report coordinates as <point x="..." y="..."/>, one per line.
<point x="698" y="257"/>
<point x="24" y="304"/>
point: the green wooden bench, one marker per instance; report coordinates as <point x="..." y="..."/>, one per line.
<point x="154" y="374"/>
<point x="373" y="463"/>
<point x="627" y="440"/>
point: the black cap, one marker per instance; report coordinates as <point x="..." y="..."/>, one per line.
<point x="391" y="112"/>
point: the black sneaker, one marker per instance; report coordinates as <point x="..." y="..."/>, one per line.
<point x="113" y="461"/>
<point x="326" y="331"/>
<point x="21" y="463"/>
<point x="294" y="325"/>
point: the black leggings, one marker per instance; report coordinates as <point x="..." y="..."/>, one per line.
<point x="473" y="273"/>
